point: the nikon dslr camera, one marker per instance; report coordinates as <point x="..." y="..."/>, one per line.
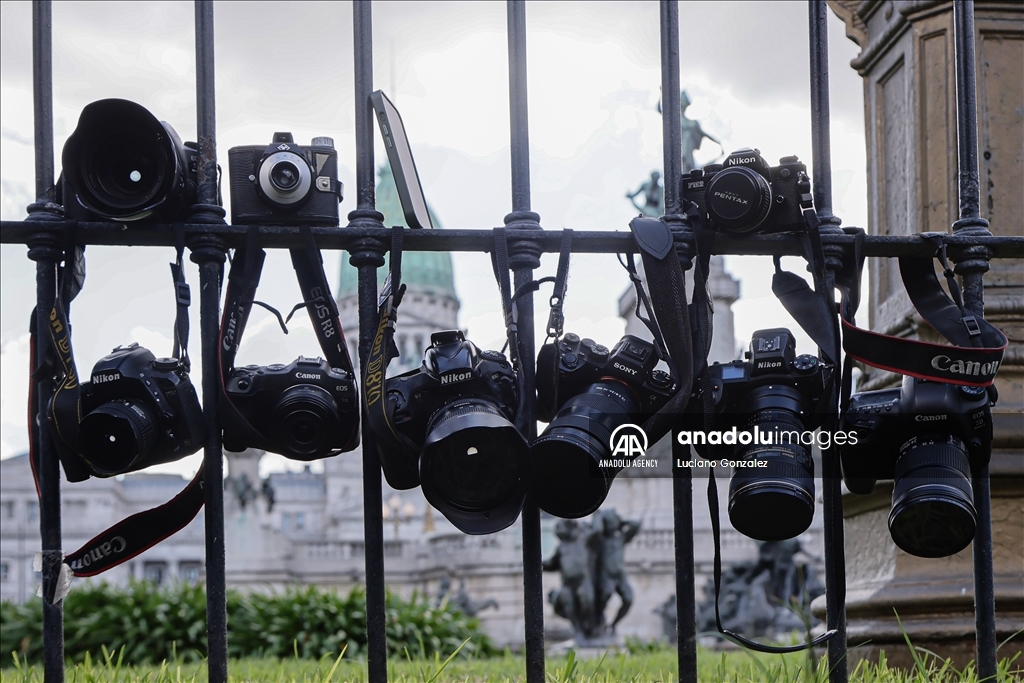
<point x="285" y="183"/>
<point x="458" y="409"/>
<point x="929" y="437"/>
<point x="138" y="411"/>
<point x="771" y="396"/>
<point x="585" y="392"/>
<point x="744" y="195"/>
<point x="303" y="410"/>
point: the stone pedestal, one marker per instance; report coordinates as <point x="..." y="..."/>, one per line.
<point x="907" y="62"/>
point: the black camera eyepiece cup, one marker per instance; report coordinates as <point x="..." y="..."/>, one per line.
<point x="123" y="164"/>
<point x="116" y="435"/>
<point x="933" y="513"/>
<point x="306" y="415"/>
<point x="738" y="199"/>
<point x="473" y="466"/>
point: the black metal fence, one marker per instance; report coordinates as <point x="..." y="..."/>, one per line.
<point x="366" y="239"/>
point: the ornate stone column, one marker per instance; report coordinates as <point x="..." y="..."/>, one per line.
<point x="907" y="63"/>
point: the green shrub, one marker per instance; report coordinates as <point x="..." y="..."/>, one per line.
<point x="154" y="624"/>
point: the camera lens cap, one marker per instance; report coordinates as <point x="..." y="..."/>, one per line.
<point x="738" y="199"/>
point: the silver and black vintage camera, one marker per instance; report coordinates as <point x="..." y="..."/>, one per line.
<point x="771" y="397"/>
<point x="929" y="437"/>
<point x="459" y="408"/>
<point x="303" y="410"/>
<point x="138" y="411"/>
<point x="744" y="195"/>
<point x="285" y="183"/>
<point x="585" y="392"/>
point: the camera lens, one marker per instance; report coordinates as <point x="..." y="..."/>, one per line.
<point x="567" y="480"/>
<point x="933" y="512"/>
<point x="116" y="435"/>
<point x="472" y="467"/>
<point x="775" y="501"/>
<point x="307" y="418"/>
<point x="284" y="179"/>
<point x="738" y="199"/>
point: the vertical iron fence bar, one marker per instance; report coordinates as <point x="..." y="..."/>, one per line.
<point x="44" y="249"/>
<point x="367" y="257"/>
<point x="972" y="264"/>
<point x="682" y="480"/>
<point x="524" y="257"/>
<point x="832" y="497"/>
<point x="209" y="252"/>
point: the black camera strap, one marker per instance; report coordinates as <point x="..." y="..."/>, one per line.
<point x="398" y="455"/>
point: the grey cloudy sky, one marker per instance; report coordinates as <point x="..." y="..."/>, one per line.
<point x="594" y="85"/>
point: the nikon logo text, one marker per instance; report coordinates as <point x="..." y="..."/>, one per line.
<point x="307" y="375"/>
<point x="100" y="379"/>
<point x="769" y="364"/>
<point x="743" y="160"/>
<point x="962" y="367"/>
<point x="731" y="197"/>
<point x="456" y="377"/>
<point x="620" y="366"/>
<point x="628" y="441"/>
<point x="929" y="418"/>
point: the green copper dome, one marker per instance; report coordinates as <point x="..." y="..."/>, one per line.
<point x="428" y="271"/>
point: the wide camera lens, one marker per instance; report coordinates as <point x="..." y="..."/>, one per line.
<point x="566" y="477"/>
<point x="933" y="512"/>
<point x="775" y="501"/>
<point x="473" y="466"/>
<point x="306" y="420"/>
<point x="738" y="199"/>
<point x="117" y="436"/>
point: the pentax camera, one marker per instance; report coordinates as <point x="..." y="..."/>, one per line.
<point x="586" y="392"/>
<point x="305" y="410"/>
<point x="458" y="407"/>
<point x="138" y="411"/>
<point x="283" y="182"/>
<point x="744" y="195"/>
<point x="771" y="396"/>
<point x="122" y="164"/>
<point x="929" y="437"/>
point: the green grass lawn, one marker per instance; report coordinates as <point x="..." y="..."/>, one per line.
<point x="658" y="665"/>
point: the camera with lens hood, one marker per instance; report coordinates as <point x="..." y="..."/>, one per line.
<point x="744" y="195"/>
<point x="285" y="183"/>
<point x="585" y="392"/>
<point x="929" y="437"/>
<point x="306" y="409"/>
<point x="458" y="408"/>
<point x="138" y="410"/>
<point x="122" y="164"/>
<point x="771" y="396"/>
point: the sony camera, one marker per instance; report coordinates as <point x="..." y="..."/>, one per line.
<point x="122" y="164"/>
<point x="283" y="182"/>
<point x="771" y="396"/>
<point x="744" y="195"/>
<point x="138" y="410"/>
<point x="586" y="392"/>
<point x="458" y="407"/>
<point x="304" y="410"/>
<point x="929" y="437"/>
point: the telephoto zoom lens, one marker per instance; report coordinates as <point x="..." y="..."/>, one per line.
<point x="774" y="502"/>
<point x="568" y="480"/>
<point x="933" y="513"/>
<point x="116" y="435"/>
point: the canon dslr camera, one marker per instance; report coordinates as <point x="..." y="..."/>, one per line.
<point x="585" y="392"/>
<point x="771" y="396"/>
<point x="305" y="410"/>
<point x="744" y="195"/>
<point x="929" y="437"/>
<point x="138" y="411"/>
<point x="458" y="407"/>
<point x="285" y="183"/>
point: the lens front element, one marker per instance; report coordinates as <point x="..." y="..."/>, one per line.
<point x="285" y="179"/>
<point x="116" y="435"/>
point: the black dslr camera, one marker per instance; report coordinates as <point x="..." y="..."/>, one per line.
<point x="771" y="396"/>
<point x="138" y="411"/>
<point x="929" y="437"/>
<point x="283" y="182"/>
<point x="585" y="392"/>
<point x="459" y="408"/>
<point x="122" y="164"/>
<point x="745" y="195"/>
<point x="305" y="410"/>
